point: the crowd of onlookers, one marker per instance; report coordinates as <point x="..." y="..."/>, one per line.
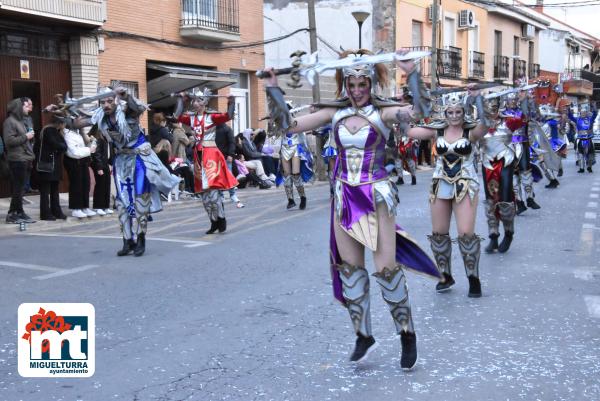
<point x="33" y="160"/>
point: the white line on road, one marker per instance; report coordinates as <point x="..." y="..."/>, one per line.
<point x="588" y="226"/>
<point x="590" y="215"/>
<point x="593" y="196"/>
<point x="179" y="241"/>
<point x="593" y="305"/>
<point x="592" y="204"/>
<point x="595" y="189"/>
<point x="587" y="275"/>
<point x="66" y="272"/>
<point x="28" y="266"/>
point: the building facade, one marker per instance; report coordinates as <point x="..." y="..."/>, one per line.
<point x="158" y="48"/>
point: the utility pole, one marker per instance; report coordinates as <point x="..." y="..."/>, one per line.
<point x="434" y="53"/>
<point x="312" y="25"/>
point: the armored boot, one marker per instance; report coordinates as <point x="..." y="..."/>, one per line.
<point x="492" y="220"/>
<point x="441" y="246"/>
<point x="128" y="247"/>
<point x="289" y="191"/>
<point x="470" y="248"/>
<point x="355" y="289"/>
<point x="214" y="226"/>
<point x="297" y="180"/>
<point x="580" y="162"/>
<point x="507" y="215"/>
<point x="140" y="246"/>
<point x="395" y="294"/>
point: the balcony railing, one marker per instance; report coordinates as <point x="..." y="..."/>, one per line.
<point x="476" y="65"/>
<point x="449" y="62"/>
<point x="534" y="70"/>
<point x="501" y="67"/>
<point x="519" y="69"/>
<point x="216" y="20"/>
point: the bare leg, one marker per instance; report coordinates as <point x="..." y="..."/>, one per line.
<point x="465" y="213"/>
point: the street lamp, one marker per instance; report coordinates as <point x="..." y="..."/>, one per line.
<point x="360" y="17"/>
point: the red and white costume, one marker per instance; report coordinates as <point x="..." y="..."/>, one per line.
<point x="210" y="167"/>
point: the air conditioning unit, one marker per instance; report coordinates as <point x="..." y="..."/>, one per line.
<point x="430" y="14"/>
<point x="466" y="19"/>
<point x="527" y="31"/>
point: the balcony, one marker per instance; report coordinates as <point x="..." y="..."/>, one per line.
<point x="501" y="69"/>
<point x="83" y="12"/>
<point x="449" y="62"/>
<point x="519" y="69"/>
<point x="476" y="65"/>
<point x="213" y="20"/>
<point x="533" y="70"/>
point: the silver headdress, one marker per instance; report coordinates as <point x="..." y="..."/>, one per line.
<point x="359" y="71"/>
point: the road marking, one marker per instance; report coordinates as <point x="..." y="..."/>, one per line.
<point x="587" y="275"/>
<point x="592" y="204"/>
<point x="28" y="266"/>
<point x="595" y="189"/>
<point x="593" y="305"/>
<point x="590" y="215"/>
<point x="187" y="243"/>
<point x="588" y="226"/>
<point x="593" y="196"/>
<point x="66" y="272"/>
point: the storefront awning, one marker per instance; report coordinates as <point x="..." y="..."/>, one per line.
<point x="181" y="78"/>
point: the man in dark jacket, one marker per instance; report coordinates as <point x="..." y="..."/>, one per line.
<point x="19" y="153"/>
<point x="250" y="152"/>
<point x="225" y="141"/>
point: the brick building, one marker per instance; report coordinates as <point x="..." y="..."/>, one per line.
<point x="159" y="47"/>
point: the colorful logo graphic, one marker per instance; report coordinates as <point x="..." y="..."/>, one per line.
<point x="56" y="340"/>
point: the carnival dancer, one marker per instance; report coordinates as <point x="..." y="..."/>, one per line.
<point x="364" y="206"/>
<point x="139" y="174"/>
<point x="295" y="161"/>
<point x="549" y="152"/>
<point x="455" y="189"/>
<point x="497" y="157"/>
<point x="211" y="174"/>
<point x="517" y="114"/>
<point x="585" y="147"/>
<point x="407" y="156"/>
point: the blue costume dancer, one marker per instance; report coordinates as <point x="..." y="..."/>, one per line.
<point x="139" y="174"/>
<point x="583" y="142"/>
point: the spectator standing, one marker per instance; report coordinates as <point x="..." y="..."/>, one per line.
<point x="180" y="165"/>
<point x="19" y="153"/>
<point x="50" y="149"/>
<point x="101" y="162"/>
<point x="77" y="164"/>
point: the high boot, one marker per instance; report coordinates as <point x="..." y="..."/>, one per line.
<point x="222" y="224"/>
<point x="492" y="246"/>
<point x="297" y="180"/>
<point x="470" y="248"/>
<point x="413" y="180"/>
<point x="302" y="203"/>
<point x="214" y="226"/>
<point x="140" y="247"/>
<point x="507" y="215"/>
<point x="492" y="221"/>
<point x="441" y="246"/>
<point x="355" y="289"/>
<point x="395" y="294"/>
<point x="289" y="191"/>
<point x="128" y="247"/>
<point x="532" y="204"/>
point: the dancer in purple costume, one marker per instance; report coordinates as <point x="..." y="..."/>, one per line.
<point x="365" y="200"/>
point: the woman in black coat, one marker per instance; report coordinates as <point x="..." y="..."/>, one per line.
<point x="50" y="147"/>
<point x="101" y="162"/>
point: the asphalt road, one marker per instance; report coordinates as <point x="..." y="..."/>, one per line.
<point x="249" y="315"/>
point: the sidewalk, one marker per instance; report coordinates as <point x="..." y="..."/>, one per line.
<point x="31" y="205"/>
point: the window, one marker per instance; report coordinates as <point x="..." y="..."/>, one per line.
<point x="132" y="87"/>
<point x="516" y="41"/>
<point x="449" y="32"/>
<point x="498" y="43"/>
<point x="194" y="10"/>
<point x="417" y="33"/>
<point x="531" y="52"/>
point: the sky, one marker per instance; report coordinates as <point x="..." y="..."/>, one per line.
<point x="575" y="13"/>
